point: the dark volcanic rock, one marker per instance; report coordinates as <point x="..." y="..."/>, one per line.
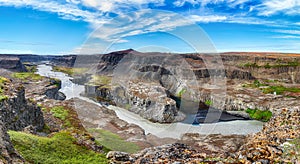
<point x="7" y="151"/>
<point x="53" y="93"/>
<point x="12" y="63"/>
<point x="17" y="112"/>
<point x="170" y="153"/>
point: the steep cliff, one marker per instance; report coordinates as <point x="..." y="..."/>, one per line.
<point x="16" y="113"/>
<point x="223" y="81"/>
<point x="12" y="63"/>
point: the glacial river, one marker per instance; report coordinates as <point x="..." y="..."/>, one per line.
<point x="174" y="130"/>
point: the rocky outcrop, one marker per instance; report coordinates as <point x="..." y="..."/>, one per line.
<point x="170" y="153"/>
<point x="152" y="102"/>
<point x="16" y="113"/>
<point x="54" y="93"/>
<point x="278" y="142"/>
<point x="46" y="88"/>
<point x="12" y="63"/>
<point x="7" y="151"/>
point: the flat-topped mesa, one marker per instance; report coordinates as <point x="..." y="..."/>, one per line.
<point x="12" y="63"/>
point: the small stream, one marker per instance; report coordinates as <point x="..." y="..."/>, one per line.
<point x="174" y="130"/>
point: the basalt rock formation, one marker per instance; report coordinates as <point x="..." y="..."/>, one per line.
<point x="222" y="81"/>
<point x="12" y="63"/>
<point x="16" y="113"/>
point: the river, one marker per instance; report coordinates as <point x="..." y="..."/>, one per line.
<point x="174" y="130"/>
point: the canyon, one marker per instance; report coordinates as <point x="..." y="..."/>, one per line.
<point x="164" y="89"/>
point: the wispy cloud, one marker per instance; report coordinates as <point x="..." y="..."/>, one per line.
<point x="116" y="6"/>
<point x="292" y="32"/>
<point x="286" y="37"/>
<point x="137" y="23"/>
<point x="270" y="7"/>
<point x="65" y="11"/>
<point x="208" y="18"/>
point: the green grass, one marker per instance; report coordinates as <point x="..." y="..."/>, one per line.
<point x="181" y="92"/>
<point x="99" y="80"/>
<point x="259" y="114"/>
<point x="292" y="150"/>
<point x="69" y="70"/>
<point x="59" y="112"/>
<point x="55" y="81"/>
<point x="268" y="65"/>
<point x="3" y="82"/>
<point x="250" y="65"/>
<point x="280" y="89"/>
<point x="3" y="97"/>
<point x="268" y="88"/>
<point x="113" y="141"/>
<point x="208" y="102"/>
<point x="61" y="148"/>
<point x="32" y="68"/>
<point x="27" y="76"/>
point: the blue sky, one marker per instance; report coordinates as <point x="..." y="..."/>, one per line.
<point x="97" y="26"/>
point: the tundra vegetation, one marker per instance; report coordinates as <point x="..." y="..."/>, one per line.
<point x="70" y="70"/>
<point x="3" y="82"/>
<point x="27" y="76"/>
<point x="113" y="141"/>
<point x="257" y="114"/>
<point x="60" y="148"/>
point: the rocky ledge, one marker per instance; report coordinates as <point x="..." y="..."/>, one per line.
<point x="11" y="63"/>
<point x="278" y="142"/>
<point x="16" y="113"/>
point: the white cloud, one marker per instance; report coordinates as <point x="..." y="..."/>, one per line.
<point x="180" y="3"/>
<point x="287" y="37"/>
<point x="250" y="20"/>
<point x="116" y="5"/>
<point x="292" y="32"/>
<point x="229" y="3"/>
<point x="141" y="22"/>
<point x="67" y="11"/>
<point x="270" y="7"/>
<point x="208" y="18"/>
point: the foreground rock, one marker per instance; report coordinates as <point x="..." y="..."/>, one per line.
<point x="103" y="118"/>
<point x="7" y="151"/>
<point x="46" y="88"/>
<point x="278" y="142"/>
<point x="16" y="113"/>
